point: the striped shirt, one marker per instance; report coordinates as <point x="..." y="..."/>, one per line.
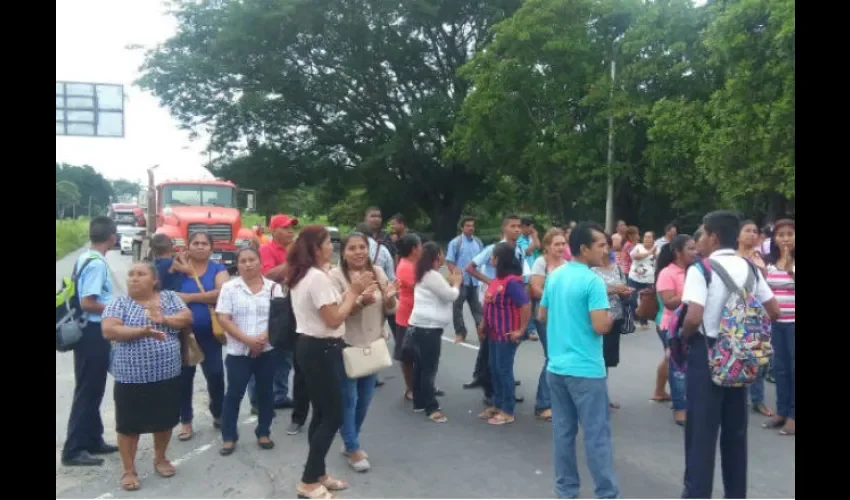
<point x="502" y="302"/>
<point x="782" y="285"/>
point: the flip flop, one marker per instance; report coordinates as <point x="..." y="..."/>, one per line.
<point x="130" y="481"/>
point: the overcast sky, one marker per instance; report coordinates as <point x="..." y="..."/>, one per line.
<point x="90" y="40"/>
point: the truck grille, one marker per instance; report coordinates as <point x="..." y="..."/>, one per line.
<point x="218" y="232"/>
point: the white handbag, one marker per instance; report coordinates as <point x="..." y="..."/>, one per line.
<point x="365" y="361"/>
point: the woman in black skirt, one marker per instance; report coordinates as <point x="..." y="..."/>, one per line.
<point x="144" y="326"/>
<point x="615" y="281"/>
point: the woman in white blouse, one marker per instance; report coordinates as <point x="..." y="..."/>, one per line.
<point x="642" y="271"/>
<point x="363" y="327"/>
<point x="243" y="311"/>
<point x="320" y="313"/>
<point x="432" y="311"/>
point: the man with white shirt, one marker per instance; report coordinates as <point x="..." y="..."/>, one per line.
<point x="481" y="270"/>
<point x="712" y="409"/>
<point x="670" y="232"/>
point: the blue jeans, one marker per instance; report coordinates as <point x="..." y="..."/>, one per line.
<point x="784" y="368"/>
<point x="757" y="391"/>
<point x="544" y="399"/>
<point x="531" y="327"/>
<point x="634" y="299"/>
<point x="240" y="369"/>
<point x="502" y="356"/>
<point x="283" y="365"/>
<point x="678" y="388"/>
<point x="213" y="368"/>
<point x="581" y="401"/>
<point x="356" y="395"/>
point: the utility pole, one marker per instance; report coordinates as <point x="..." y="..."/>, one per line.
<point x="609" y="197"/>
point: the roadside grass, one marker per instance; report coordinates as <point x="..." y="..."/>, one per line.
<point x="71" y="234"/>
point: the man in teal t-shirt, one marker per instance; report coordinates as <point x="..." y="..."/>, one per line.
<point x="575" y="307"/>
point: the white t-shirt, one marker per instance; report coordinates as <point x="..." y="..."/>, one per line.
<point x="313" y="292"/>
<point x="642" y="270"/>
<point x="248" y="310"/>
<point x="432" y="301"/>
<point x="714" y="297"/>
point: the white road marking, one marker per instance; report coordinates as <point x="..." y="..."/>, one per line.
<point x="200" y="450"/>
<point x="464" y="344"/>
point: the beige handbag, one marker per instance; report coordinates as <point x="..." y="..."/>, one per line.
<point x="191" y="351"/>
<point x="365" y="361"/>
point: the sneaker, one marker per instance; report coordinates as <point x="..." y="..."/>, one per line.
<point x="294" y="428"/>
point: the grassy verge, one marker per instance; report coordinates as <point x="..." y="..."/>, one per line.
<point x="71" y="234"/>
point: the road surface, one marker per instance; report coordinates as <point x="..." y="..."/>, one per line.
<point x="414" y="458"/>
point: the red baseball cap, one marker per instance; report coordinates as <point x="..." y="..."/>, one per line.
<point x="282" y="220"/>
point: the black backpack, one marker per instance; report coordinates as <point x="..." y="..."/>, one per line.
<point x="282" y="325"/>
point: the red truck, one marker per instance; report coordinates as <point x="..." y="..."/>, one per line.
<point x="181" y="201"/>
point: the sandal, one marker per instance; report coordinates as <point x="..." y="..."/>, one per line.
<point x="408" y="395"/>
<point x="488" y="413"/>
<point x="130" y="481"/>
<point x="438" y="417"/>
<point x="764" y="410"/>
<point x="545" y="415"/>
<point x="774" y="423"/>
<point x="186" y="433"/>
<point x="661" y="399"/>
<point x="614" y="406"/>
<point x="501" y="419"/>
<point x="333" y="484"/>
<point x="164" y="468"/>
<point x="785" y="431"/>
<point x="320" y="492"/>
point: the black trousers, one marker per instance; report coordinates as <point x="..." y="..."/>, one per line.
<point x="427" y="343"/>
<point x="300" y="396"/>
<point x="91" y="361"/>
<point x="482" y="368"/>
<point x="713" y="410"/>
<point x="321" y="362"/>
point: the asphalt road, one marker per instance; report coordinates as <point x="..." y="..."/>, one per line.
<point x="414" y="458"/>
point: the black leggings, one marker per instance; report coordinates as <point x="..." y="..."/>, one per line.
<point x="321" y="361"/>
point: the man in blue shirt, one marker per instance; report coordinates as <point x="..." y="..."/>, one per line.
<point x="481" y="269"/>
<point x="575" y="308"/>
<point x="91" y="354"/>
<point x="460" y="252"/>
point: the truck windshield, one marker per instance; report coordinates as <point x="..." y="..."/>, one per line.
<point x="197" y="195"/>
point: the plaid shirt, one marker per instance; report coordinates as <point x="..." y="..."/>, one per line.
<point x="250" y="312"/>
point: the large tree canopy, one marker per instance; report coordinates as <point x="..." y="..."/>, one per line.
<point x="424" y="106"/>
<point x="367" y="89"/>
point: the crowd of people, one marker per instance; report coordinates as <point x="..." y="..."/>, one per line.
<point x="576" y="290"/>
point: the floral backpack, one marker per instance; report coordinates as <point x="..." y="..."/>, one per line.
<point x="743" y="347"/>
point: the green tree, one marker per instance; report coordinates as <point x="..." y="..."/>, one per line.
<point x="124" y="189"/>
<point x="95" y="191"/>
<point x="67" y="195"/>
<point x="365" y="91"/>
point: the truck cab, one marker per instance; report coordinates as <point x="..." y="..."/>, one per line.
<point x="181" y="204"/>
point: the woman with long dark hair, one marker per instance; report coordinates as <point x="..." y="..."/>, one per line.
<point x="408" y="248"/>
<point x="507" y="311"/>
<point x="671" y="266"/>
<point x="363" y="327"/>
<point x="320" y="312"/>
<point x="200" y="283"/>
<point x="432" y="311"/>
<point x="781" y="277"/>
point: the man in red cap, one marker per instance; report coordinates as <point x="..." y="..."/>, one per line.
<point x="273" y="253"/>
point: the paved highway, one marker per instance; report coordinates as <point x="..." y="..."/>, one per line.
<point x="414" y="458"/>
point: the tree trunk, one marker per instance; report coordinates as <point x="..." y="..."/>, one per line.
<point x="445" y="216"/>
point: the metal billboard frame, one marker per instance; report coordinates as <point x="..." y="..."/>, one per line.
<point x="91" y="104"/>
